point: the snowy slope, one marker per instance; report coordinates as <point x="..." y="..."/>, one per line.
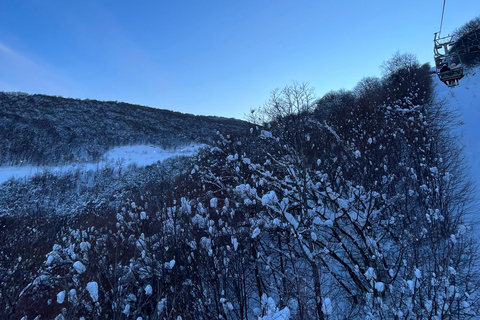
<point x="466" y="98"/>
<point x="140" y="155"/>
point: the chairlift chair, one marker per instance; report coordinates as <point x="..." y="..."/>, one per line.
<point x="448" y="65"/>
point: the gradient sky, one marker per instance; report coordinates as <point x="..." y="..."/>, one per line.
<point x="219" y="57"/>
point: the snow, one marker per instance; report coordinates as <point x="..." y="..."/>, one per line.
<point x="141" y="155"/>
<point x="342" y="203"/>
<point x="92" y="288"/>
<point x="418" y="274"/>
<point x="453" y="238"/>
<point x="428" y="305"/>
<point x="79" y="267"/>
<point x="72" y="295"/>
<point x="411" y="286"/>
<point x="148" y="290"/>
<point x="84" y="246"/>
<point x="50" y="260"/>
<point x="269" y="198"/>
<point x="266" y="134"/>
<point x="235" y="243"/>
<point x="161" y="305"/>
<point x="452" y="271"/>
<point x="291" y="220"/>
<point x="126" y="310"/>
<point x="245" y="190"/>
<point x="370" y="274"/>
<point x="246" y="161"/>
<point x="172" y="263"/>
<point x="213" y="202"/>
<point x="283" y="314"/>
<point x="380" y="286"/>
<point x="328" y="223"/>
<point x="61" y="296"/>
<point x="271" y="311"/>
<point x="327" y="306"/>
<point x="466" y="98"/>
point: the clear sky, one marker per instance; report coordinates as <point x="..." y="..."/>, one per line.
<point x="220" y="57"/>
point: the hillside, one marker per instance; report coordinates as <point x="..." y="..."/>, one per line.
<point x="66" y="153"/>
<point x="354" y="206"/>
<point x="46" y="130"/>
<point x="465" y="99"/>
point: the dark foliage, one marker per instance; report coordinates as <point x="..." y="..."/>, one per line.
<point x="39" y="129"/>
<point x="467" y="42"/>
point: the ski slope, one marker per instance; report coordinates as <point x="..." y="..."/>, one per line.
<point x="141" y="155"/>
<point x="466" y="99"/>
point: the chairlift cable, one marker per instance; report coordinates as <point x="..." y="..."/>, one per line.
<point x="441" y="21"/>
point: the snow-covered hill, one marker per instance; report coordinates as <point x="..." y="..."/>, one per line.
<point x="466" y="98"/>
<point x="47" y="130"/>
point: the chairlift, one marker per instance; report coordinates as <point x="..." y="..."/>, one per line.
<point x="448" y="64"/>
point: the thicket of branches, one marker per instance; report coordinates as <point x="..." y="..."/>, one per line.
<point x="351" y="206"/>
<point x="467" y="42"/>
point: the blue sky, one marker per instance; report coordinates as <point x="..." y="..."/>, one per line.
<point x="210" y="57"/>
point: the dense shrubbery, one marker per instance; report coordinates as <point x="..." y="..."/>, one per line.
<point x="347" y="207"/>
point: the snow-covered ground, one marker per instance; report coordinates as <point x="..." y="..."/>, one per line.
<point x="141" y="155"/>
<point x="466" y="98"/>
